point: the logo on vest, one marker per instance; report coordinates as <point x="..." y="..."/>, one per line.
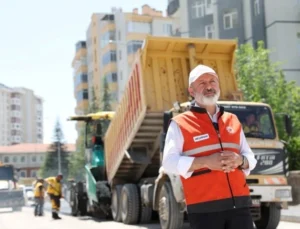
<point x="229" y="129"/>
<point x="201" y="137"/>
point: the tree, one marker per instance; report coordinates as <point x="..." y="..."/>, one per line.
<point x="77" y="159"/>
<point x="50" y="166"/>
<point x="106" y="97"/>
<point x="93" y="104"/>
<point x="106" y="102"/>
<point x="263" y="81"/>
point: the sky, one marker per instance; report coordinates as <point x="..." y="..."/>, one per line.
<point x="37" y="45"/>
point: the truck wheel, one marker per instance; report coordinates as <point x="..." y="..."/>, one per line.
<point x="116" y="204"/>
<point x="146" y="215"/>
<point x="74" y="202"/>
<point x="130" y="204"/>
<point x="270" y="217"/>
<point x="82" y="205"/>
<point x="170" y="216"/>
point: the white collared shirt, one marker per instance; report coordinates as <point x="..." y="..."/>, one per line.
<point x="176" y="163"/>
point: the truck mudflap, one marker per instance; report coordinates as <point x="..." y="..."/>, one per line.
<point x="270" y="193"/>
<point x="11" y="199"/>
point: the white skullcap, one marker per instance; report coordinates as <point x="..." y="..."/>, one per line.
<point x="198" y="71"/>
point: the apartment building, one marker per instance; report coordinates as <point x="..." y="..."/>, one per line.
<point x="112" y="39"/>
<point x="276" y="22"/>
<point x="21" y="116"/>
<point x="27" y="158"/>
<point x="80" y="79"/>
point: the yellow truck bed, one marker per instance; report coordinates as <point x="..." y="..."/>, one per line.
<point x="159" y="77"/>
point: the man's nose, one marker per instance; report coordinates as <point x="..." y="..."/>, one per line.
<point x="208" y="87"/>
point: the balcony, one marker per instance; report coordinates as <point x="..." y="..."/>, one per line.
<point x="173" y="6"/>
<point x="80" y="45"/>
<point x="15" y="101"/>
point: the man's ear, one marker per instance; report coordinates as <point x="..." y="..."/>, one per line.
<point x="191" y="91"/>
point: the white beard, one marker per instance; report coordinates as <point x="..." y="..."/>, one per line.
<point x="207" y="101"/>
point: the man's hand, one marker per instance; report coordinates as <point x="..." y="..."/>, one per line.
<point x="230" y="161"/>
<point x="214" y="161"/>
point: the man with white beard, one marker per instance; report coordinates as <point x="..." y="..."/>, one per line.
<point x="207" y="148"/>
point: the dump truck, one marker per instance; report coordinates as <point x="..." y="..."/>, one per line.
<point x="11" y="196"/>
<point x="157" y="90"/>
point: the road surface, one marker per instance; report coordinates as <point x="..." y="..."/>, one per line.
<point x="26" y="220"/>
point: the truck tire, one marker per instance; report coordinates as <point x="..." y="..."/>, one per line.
<point x="170" y="216"/>
<point x="116" y="204"/>
<point x="146" y="214"/>
<point x="130" y="204"/>
<point x="82" y="205"/>
<point x="270" y="217"/>
<point x="73" y="202"/>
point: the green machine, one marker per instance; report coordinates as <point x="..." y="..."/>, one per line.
<point x="93" y="194"/>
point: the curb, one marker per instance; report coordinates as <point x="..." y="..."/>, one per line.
<point x="290" y="218"/>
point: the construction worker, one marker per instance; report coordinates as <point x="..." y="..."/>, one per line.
<point x="207" y="147"/>
<point x="39" y="194"/>
<point x="55" y="193"/>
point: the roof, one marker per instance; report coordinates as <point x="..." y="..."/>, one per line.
<point x="32" y="148"/>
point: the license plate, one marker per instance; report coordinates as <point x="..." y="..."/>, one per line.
<point x="255" y="202"/>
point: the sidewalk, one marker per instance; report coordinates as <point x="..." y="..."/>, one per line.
<point x="292" y="214"/>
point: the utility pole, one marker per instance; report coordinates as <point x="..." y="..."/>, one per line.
<point x="59" y="158"/>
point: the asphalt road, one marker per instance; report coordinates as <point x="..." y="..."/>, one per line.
<point x="26" y="219"/>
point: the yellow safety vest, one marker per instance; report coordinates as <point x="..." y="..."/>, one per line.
<point x="54" y="187"/>
<point x="37" y="191"/>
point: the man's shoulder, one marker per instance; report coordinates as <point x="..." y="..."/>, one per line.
<point x="182" y="115"/>
<point x="230" y="115"/>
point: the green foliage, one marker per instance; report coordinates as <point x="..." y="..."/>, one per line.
<point x="77" y="159"/>
<point x="263" y="81"/>
<point x="50" y="166"/>
<point x="93" y="104"/>
<point x="106" y="97"/>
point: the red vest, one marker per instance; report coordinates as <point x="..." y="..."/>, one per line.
<point x="207" y="190"/>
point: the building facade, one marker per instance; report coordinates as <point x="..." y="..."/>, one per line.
<point x="112" y="39"/>
<point x="275" y="22"/>
<point x="21" y="116"/>
<point x="27" y="158"/>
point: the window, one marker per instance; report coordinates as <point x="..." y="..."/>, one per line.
<point x="198" y="9"/>
<point x="133" y="46"/>
<point x="230" y="19"/>
<point x="138" y="27"/>
<point x="23" y="159"/>
<point x="22" y="174"/>
<point x="209" y="31"/>
<point x="6" y="159"/>
<point x="33" y="173"/>
<point x="81" y="78"/>
<point x="108" y="37"/>
<point x="208" y="7"/>
<point x="256" y="7"/>
<point x="109" y="57"/>
<point x="83" y="94"/>
<point x="15" y="159"/>
<point x="111" y="77"/>
<point x="33" y="158"/>
<point x="167" y="29"/>
<point x="120" y="54"/>
<point x="298" y="41"/>
<point x="80" y="44"/>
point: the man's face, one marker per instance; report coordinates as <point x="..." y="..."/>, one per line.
<point x="205" y="90"/>
<point x="59" y="178"/>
